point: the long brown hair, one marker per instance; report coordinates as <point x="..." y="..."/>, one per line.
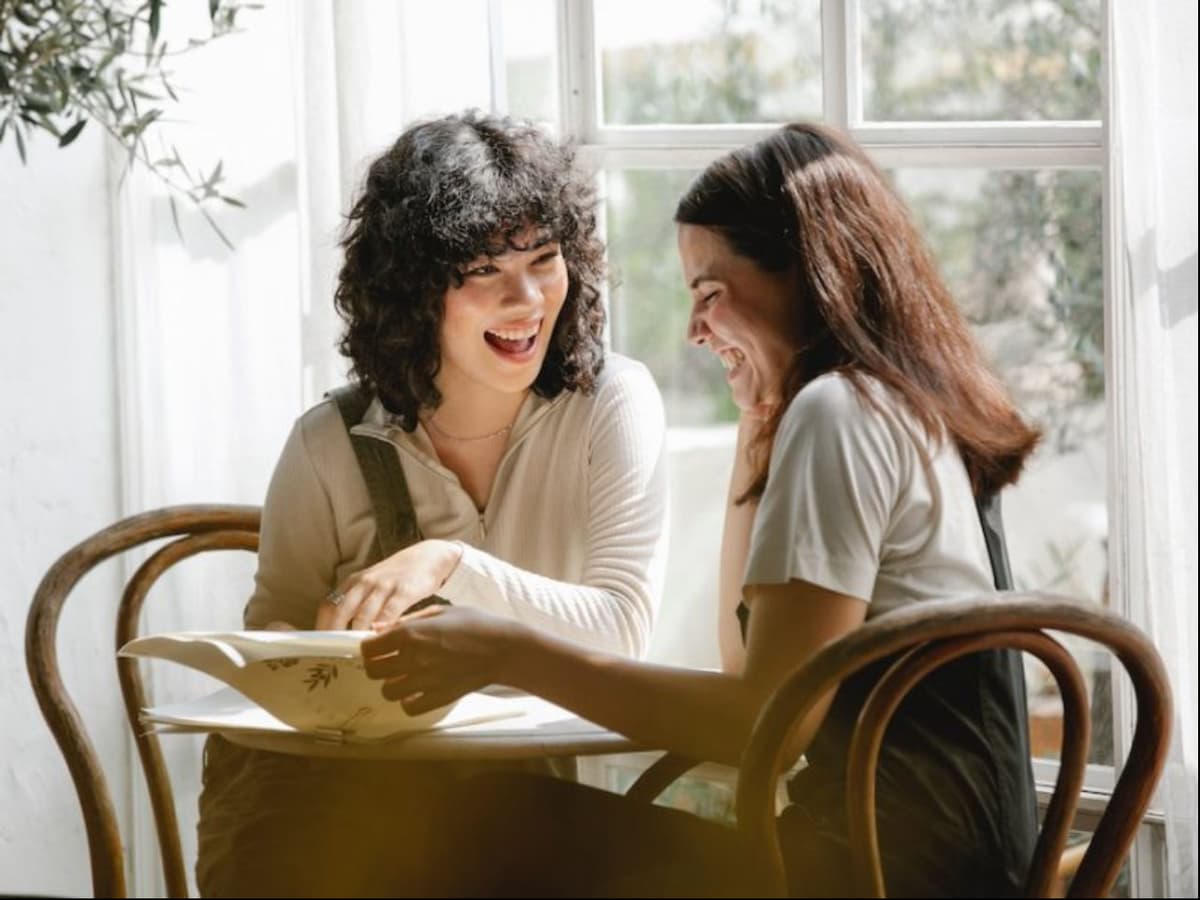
<point x="870" y="299"/>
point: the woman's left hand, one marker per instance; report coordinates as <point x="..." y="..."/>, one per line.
<point x="435" y="656"/>
<point x="382" y="593"/>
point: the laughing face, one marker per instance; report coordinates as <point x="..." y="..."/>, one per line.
<point x="497" y="324"/>
<point x="740" y="312"/>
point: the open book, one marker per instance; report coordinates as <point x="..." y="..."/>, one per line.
<point x="306" y="682"/>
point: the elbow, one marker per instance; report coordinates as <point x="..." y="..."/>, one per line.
<point x="632" y="620"/>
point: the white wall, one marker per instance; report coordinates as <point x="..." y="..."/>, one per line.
<point x="58" y="484"/>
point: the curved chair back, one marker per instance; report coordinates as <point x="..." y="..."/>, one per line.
<point x="925" y="636"/>
<point x="196" y="529"/>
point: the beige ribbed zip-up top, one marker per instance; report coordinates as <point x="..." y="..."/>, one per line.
<point x="572" y="540"/>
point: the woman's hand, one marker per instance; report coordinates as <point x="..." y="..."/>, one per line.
<point x="435" y="656"/>
<point x="382" y="593"/>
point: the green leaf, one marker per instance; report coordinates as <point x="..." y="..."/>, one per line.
<point x="213" y="7"/>
<point x="213" y="223"/>
<point x="179" y="159"/>
<point x="145" y="120"/>
<point x="175" y="217"/>
<point x="233" y="201"/>
<point x="107" y="58"/>
<point x="72" y="133"/>
<point x="20" y="142"/>
<point x="26" y="17"/>
<point x="155" y="19"/>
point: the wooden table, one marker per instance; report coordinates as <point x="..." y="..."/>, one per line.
<point x="541" y="730"/>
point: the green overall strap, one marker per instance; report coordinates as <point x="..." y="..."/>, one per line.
<point x="395" y="519"/>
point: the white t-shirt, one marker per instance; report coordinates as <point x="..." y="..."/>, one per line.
<point x="851" y="505"/>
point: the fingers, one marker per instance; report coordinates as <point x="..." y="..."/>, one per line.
<point x="373" y="600"/>
<point x="418" y="698"/>
<point x="360" y="603"/>
<point x="416" y="703"/>
<point x="279" y="626"/>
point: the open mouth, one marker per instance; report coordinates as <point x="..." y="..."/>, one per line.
<point x="514" y="341"/>
<point x="732" y="359"/>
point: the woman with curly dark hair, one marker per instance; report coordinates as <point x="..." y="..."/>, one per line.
<point x="532" y="460"/>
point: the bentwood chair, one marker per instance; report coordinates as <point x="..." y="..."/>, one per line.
<point x="923" y="637"/>
<point x="196" y="529"/>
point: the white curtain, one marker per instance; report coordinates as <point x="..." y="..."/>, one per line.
<point x="1153" y="139"/>
<point x="221" y="349"/>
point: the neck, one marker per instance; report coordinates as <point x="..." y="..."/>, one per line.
<point x="469" y="414"/>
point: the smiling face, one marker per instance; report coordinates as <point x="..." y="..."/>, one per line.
<point x="740" y="312"/>
<point x="497" y="325"/>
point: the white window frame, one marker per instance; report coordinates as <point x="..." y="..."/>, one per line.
<point x="966" y="144"/>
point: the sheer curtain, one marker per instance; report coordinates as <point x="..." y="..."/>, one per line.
<point x="1152" y="119"/>
<point x="220" y="349"/>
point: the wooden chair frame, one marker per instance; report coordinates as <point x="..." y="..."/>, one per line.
<point x="198" y="528"/>
<point x="923" y="637"/>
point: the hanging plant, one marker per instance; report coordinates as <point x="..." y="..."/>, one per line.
<point x="66" y="64"/>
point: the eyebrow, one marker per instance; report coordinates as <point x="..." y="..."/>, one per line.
<point x="541" y="241"/>
<point x="703" y="276"/>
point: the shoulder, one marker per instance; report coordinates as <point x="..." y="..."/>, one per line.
<point x="831" y="396"/>
<point x="624" y="376"/>
<point x="321" y="435"/>
<point x="623" y="384"/>
<point x="623" y="415"/>
<point x="833" y="401"/>
<point x="834" y="415"/>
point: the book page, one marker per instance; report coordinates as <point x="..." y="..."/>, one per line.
<point x="226" y="710"/>
<point x="312" y="681"/>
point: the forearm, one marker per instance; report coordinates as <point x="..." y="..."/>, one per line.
<point x="611" y="611"/>
<point x="699" y="714"/>
<point x="735" y="546"/>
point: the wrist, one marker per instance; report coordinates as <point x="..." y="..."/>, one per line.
<point x="449" y="553"/>
<point x="520" y="657"/>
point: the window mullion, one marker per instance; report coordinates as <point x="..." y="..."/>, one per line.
<point x="578" y="85"/>
<point x="840" y="63"/>
<point x="499" y="76"/>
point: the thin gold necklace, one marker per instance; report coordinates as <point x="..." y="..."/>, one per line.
<point x="466" y="440"/>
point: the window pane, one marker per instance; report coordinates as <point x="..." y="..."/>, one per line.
<point x="941" y="60"/>
<point x="649" y="311"/>
<point x="1021" y="251"/>
<point x="530" y="32"/>
<point x="438" y="82"/>
<point x="649" y="302"/>
<point x="709" y="61"/>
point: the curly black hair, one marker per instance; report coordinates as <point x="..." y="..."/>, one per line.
<point x="448" y="191"/>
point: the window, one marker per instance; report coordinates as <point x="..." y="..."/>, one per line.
<point x="987" y="118"/>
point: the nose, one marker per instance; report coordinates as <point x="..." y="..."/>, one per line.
<point x="523" y="288"/>
<point x="697" y="329"/>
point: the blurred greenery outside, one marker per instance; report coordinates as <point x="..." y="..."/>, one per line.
<point x="1021" y="249"/>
